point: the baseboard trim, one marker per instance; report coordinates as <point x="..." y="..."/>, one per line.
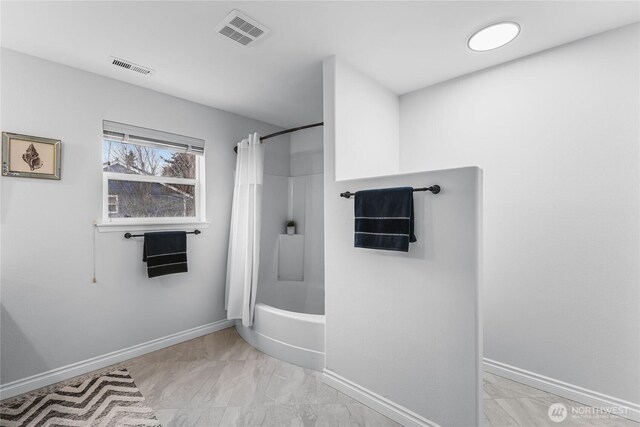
<point x="585" y="396"/>
<point x="373" y="400"/>
<point x="63" y="373"/>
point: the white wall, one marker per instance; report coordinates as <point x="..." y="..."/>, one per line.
<point x="299" y="197"/>
<point x="52" y="315"/>
<point x="306" y="152"/>
<point x="368" y="137"/>
<point x="406" y="327"/>
<point x="557" y="135"/>
<point x="307" y="184"/>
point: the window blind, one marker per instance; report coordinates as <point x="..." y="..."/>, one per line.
<point x="144" y="136"/>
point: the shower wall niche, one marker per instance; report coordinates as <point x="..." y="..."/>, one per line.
<point x="292" y="267"/>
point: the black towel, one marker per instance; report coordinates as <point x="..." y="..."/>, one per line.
<point x="384" y="219"/>
<point x="165" y="253"/>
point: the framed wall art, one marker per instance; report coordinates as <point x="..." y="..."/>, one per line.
<point x="30" y="156"/>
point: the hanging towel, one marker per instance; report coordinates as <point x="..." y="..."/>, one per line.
<point x="165" y="253"/>
<point x="384" y="219"/>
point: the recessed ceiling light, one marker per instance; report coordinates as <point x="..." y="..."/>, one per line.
<point x="494" y="36"/>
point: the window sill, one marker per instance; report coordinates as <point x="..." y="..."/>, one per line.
<point x="119" y="227"/>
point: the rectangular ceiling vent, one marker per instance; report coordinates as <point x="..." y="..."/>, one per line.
<point x="131" y="66"/>
<point x="240" y="28"/>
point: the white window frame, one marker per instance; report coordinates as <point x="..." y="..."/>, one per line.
<point x="199" y="194"/>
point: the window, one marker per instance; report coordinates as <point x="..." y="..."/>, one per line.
<point x="112" y="199"/>
<point x="151" y="176"/>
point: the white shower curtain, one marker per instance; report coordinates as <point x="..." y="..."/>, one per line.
<point x="244" y="240"/>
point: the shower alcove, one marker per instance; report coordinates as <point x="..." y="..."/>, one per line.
<point x="289" y="320"/>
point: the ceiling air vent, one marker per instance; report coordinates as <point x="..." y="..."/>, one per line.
<point x="131" y="66"/>
<point x="240" y="28"/>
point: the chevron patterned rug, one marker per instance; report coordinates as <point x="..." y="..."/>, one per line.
<point x="110" y="399"/>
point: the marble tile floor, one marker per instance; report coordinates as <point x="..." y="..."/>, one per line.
<point x="511" y="404"/>
<point x="220" y="380"/>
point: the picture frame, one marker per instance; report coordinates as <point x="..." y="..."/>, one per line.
<point x="30" y="156"/>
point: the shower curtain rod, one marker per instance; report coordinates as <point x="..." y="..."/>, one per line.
<point x="282" y="132"/>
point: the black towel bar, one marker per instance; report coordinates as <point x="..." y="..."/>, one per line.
<point x="129" y="235"/>
<point x="435" y="189"/>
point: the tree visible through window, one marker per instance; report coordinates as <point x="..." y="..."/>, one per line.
<point x="145" y="180"/>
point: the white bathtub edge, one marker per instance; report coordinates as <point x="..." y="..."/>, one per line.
<point x="304" y="317"/>
<point x="300" y="356"/>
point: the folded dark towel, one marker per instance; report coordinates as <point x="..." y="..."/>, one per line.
<point x="165" y="253"/>
<point x="384" y="219"/>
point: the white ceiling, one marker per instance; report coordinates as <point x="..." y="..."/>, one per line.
<point x="403" y="45"/>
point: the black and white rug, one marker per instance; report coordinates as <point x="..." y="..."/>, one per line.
<point x="109" y="399"/>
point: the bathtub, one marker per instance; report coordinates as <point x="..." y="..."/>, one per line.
<point x="293" y="337"/>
